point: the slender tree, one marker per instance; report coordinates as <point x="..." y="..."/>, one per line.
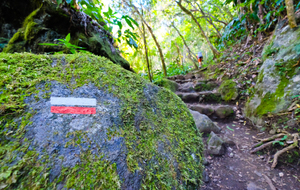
<point x="291" y="13"/>
<point x="187" y="47"/>
<point x="146" y="52"/>
<point x="152" y="34"/>
<point x="214" y="50"/>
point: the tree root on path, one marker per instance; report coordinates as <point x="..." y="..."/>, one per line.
<point x="263" y="143"/>
<point x="294" y="145"/>
<point x="269" y="182"/>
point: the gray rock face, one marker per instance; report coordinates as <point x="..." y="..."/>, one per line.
<point x="205" y="177"/>
<point x="278" y="80"/>
<point x="186" y="87"/>
<point x="206" y="110"/>
<point x="135" y="131"/>
<point x="190" y="97"/>
<point x="224" y="111"/>
<point x="204" y="124"/>
<point x="50" y="127"/>
<point x="215" y="145"/>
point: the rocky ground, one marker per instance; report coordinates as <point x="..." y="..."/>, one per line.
<point x="228" y="140"/>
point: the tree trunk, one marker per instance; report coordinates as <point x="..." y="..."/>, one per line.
<point x="187" y="47"/>
<point x="153" y="36"/>
<point x="291" y="13"/>
<point x="178" y="60"/>
<point x="214" y="50"/>
<point x="208" y="19"/>
<point x="241" y="11"/>
<point x="146" y="52"/>
<point x="261" y="18"/>
<point x="158" y="47"/>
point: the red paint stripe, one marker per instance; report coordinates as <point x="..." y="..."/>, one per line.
<point x="73" y="110"/>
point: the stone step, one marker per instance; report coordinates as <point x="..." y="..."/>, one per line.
<point x="214" y="111"/>
<point x="189" y="76"/>
<point x="197" y="86"/>
<point x="200" y="97"/>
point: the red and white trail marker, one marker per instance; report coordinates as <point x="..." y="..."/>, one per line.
<point x="69" y="105"/>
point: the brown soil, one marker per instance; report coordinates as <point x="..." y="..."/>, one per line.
<point x="238" y="168"/>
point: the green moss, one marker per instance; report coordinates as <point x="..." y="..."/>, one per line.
<point x="31" y="16"/>
<point x="260" y="76"/>
<point x="24" y="34"/>
<point x="29" y="30"/>
<point x="173" y="126"/>
<point x="270" y="101"/>
<point x="228" y="90"/>
<point x="168" y="84"/>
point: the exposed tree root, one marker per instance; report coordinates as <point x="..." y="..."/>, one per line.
<point x="261" y="146"/>
<point x="263" y="143"/>
<point x="273" y="137"/>
<point x="269" y="182"/>
<point x="294" y="145"/>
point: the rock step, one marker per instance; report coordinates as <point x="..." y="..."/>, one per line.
<point x="217" y="111"/>
<point x="200" y="97"/>
<point x="197" y="86"/>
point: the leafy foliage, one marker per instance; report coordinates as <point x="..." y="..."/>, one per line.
<point x="107" y="19"/>
<point x="65" y="44"/>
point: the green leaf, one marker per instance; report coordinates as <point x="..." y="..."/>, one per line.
<point x="128" y="22"/>
<point x="5" y="175"/>
<point x="48" y="44"/>
<point x="58" y="2"/>
<point x="281" y="143"/>
<point x="68" y="37"/>
<point x="110" y="11"/>
<point x="229" y="128"/>
<point x="73" y="51"/>
<point x="283" y="138"/>
<point x="134" y="22"/>
<point x="131" y="42"/>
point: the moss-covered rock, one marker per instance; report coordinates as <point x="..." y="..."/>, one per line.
<point x="205" y="86"/>
<point x="47" y="23"/>
<point x="168" y="84"/>
<point x="279" y="76"/>
<point x="228" y="90"/>
<point x="141" y="136"/>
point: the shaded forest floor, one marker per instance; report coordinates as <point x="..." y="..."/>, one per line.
<point x="238" y="168"/>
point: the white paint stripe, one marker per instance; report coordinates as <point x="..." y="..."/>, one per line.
<point x="73" y="101"/>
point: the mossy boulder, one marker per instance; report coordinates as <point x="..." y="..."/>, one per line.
<point x="141" y="136"/>
<point x="228" y="90"/>
<point x="279" y="77"/>
<point x="205" y="86"/>
<point x="168" y="84"/>
<point x="45" y="22"/>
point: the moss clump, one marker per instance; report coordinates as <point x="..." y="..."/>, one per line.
<point x="29" y="30"/>
<point x="270" y="101"/>
<point x="171" y="124"/>
<point x="228" y="90"/>
<point x="260" y="76"/>
<point x="168" y="84"/>
<point x="205" y="86"/>
<point x="24" y="34"/>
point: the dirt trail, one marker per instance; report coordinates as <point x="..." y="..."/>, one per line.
<point x="237" y="169"/>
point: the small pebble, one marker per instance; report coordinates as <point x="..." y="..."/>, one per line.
<point x="231" y="155"/>
<point x="280" y="174"/>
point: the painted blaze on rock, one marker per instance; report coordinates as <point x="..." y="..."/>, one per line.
<point x="141" y="136"/>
